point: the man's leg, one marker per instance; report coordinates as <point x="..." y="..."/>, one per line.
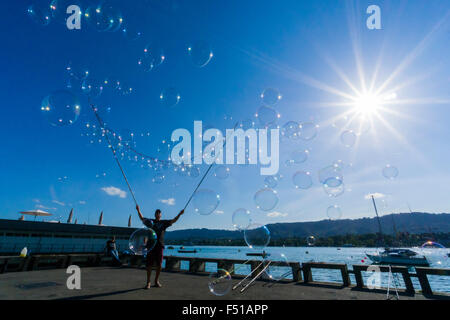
<point x="149" y="273"/>
<point x="158" y="271"/>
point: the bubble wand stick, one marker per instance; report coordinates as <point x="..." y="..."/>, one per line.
<point x="101" y="123"/>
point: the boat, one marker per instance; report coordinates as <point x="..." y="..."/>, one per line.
<point x="393" y="256"/>
<point x="187" y="251"/>
<point x="396" y="256"/>
<point x="258" y="254"/>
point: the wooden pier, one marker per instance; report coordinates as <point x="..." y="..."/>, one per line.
<point x="301" y="272"/>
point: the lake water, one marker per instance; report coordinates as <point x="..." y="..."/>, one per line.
<point x="437" y="258"/>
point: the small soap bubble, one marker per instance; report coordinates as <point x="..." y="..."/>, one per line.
<point x="390" y="172"/>
<point x="61" y="108"/>
<point x="267" y="116"/>
<point x="302" y="180"/>
<point x="270" y="96"/>
<point x="257" y="236"/>
<point x="348" y="138"/>
<point x="205" y="201"/>
<point x="222" y="172"/>
<point x="241" y="219"/>
<point x="39" y="14"/>
<point x="200" y="53"/>
<point x="311" y="241"/>
<point x="308" y="131"/>
<point x="266" y="199"/>
<point x="334" y="212"/>
<point x="271" y="181"/>
<point x="170" y="97"/>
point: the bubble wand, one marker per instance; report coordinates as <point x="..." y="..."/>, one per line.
<point x="101" y="123"/>
<point x="206" y="173"/>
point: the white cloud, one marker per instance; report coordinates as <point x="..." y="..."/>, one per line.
<point x="169" y="202"/>
<point x="113" y="191"/>
<point x="59" y="202"/>
<point x="40" y="206"/>
<point x="219" y="212"/>
<point x="375" y="195"/>
<point x="82" y="202"/>
<point x="276" y="214"/>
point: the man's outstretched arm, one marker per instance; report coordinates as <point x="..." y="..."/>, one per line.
<point x="139" y="213"/>
<point x="177" y="217"/>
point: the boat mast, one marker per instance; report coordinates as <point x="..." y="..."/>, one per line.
<point x="378" y="218"/>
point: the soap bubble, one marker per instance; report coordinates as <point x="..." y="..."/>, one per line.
<point x="291" y="130"/>
<point x="158" y="177"/>
<point x="333" y="191"/>
<point x="114" y="15"/>
<point x="308" y="130"/>
<point x="219" y="283"/>
<point x="267" y="116"/>
<point x="334" y="212"/>
<point x="279" y="269"/>
<point x="58" y="9"/>
<point x="246" y="124"/>
<point x="169" y="97"/>
<point x="311" y="241"/>
<point x="153" y="57"/>
<point x="200" y="53"/>
<point x="348" y="138"/>
<point x="271" y="181"/>
<point x="40" y="15"/>
<point x="331" y="172"/>
<point x="92" y="88"/>
<point x="270" y="96"/>
<point x="142" y="240"/>
<point x="241" y="219"/>
<point x="205" y="201"/>
<point x="98" y="19"/>
<point x="61" y="108"/>
<point x="359" y="125"/>
<point x="193" y="171"/>
<point x="299" y="156"/>
<point x="76" y="72"/>
<point x="302" y="180"/>
<point x="222" y="172"/>
<point x="390" y="172"/>
<point x="257" y="236"/>
<point x="266" y="199"/>
<point x="131" y="33"/>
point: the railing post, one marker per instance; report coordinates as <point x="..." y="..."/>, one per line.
<point x="172" y="264"/>
<point x="358" y="277"/>
<point x="196" y="265"/>
<point x="307" y="273"/>
<point x="296" y="272"/>
<point x="423" y="280"/>
<point x="345" y="276"/>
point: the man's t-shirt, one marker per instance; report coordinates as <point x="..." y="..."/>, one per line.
<point x="159" y="227"/>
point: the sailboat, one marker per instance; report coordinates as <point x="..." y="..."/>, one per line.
<point x="396" y="256"/>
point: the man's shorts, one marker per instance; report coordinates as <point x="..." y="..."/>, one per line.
<point x="155" y="256"/>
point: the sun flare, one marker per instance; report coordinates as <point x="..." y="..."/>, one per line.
<point x="367" y="104"/>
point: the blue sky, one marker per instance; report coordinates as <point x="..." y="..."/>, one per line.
<point x="313" y="52"/>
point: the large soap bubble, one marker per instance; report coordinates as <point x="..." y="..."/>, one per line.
<point x="200" y="53"/>
<point x="390" y="172"/>
<point x="266" y="199"/>
<point x="241" y="219"/>
<point x="92" y="87"/>
<point x="61" y="108"/>
<point x="270" y="96"/>
<point x="142" y="241"/>
<point x="205" y="201"/>
<point x="333" y="191"/>
<point x="219" y="283"/>
<point x="302" y="180"/>
<point x="257" y="236"/>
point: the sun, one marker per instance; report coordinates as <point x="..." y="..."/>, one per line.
<point x="367" y="104"/>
